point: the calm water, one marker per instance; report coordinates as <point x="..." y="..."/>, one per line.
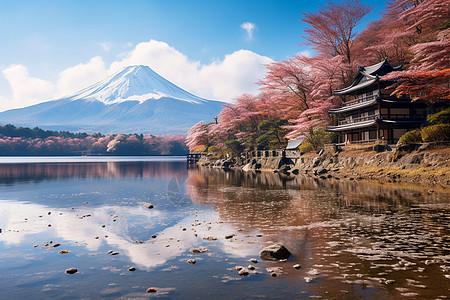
<point x="353" y="240"/>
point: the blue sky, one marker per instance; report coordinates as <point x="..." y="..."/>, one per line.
<point x="42" y="42"/>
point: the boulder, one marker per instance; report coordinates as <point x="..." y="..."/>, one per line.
<point x="274" y="252"/>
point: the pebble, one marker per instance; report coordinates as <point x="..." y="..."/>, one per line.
<point x="35" y="246"/>
<point x="71" y="271"/>
<point x="297" y="266"/>
<point x="148" y="205"/>
<point x="151" y="290"/>
<point x="63" y="252"/>
<point x="199" y="250"/>
<point x="153" y="236"/>
<point x="251" y="267"/>
<point x="132" y="269"/>
<point x="230" y="236"/>
<point x="192" y="261"/>
<point x="243" y="272"/>
<point x="56" y="245"/>
<point x="389" y="281"/>
<point x="253" y="260"/>
<point x="238" y="268"/>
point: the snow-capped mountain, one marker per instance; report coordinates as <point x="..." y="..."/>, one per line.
<point x="134" y="100"/>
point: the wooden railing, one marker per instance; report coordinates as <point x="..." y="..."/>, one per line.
<point x="359" y="119"/>
<point x="360" y="100"/>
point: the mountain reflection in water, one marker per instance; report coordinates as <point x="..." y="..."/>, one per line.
<point x="353" y="240"/>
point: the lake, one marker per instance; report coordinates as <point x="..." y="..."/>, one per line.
<point x="352" y="240"/>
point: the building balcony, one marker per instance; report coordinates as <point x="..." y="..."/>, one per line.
<point x="360" y="100"/>
<point x="359" y="119"/>
<point x="393" y="117"/>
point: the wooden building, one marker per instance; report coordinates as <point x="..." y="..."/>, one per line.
<point x="370" y="114"/>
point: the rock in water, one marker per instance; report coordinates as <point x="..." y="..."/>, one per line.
<point x="71" y="271"/>
<point x="148" y="205"/>
<point x="151" y="290"/>
<point x="274" y="252"/>
<point x="191" y="261"/>
<point x="199" y="250"/>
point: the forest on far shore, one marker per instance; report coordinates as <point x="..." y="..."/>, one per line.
<point x="23" y="141"/>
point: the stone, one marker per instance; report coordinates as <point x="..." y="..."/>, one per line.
<point x="132" y="269"/>
<point x="199" y="250"/>
<point x="56" y="245"/>
<point x="71" y="271"/>
<point x="297" y="266"/>
<point x="274" y="252"/>
<point x="230" y="236"/>
<point x="322" y="171"/>
<point x="238" y="268"/>
<point x="191" y="261"/>
<point x="253" y="260"/>
<point x="153" y="236"/>
<point x="148" y="205"/>
<point x="151" y="290"/>
<point x="243" y="272"/>
<point x="424" y="147"/>
<point x="63" y="252"/>
<point x="251" y="267"/>
<point x="109" y="252"/>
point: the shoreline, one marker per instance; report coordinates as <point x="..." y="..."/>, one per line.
<point x="424" y="168"/>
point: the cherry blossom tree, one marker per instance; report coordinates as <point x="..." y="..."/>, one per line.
<point x="333" y="28"/>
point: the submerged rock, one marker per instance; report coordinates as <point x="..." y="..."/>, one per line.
<point x="71" y="271"/>
<point x="275" y="271"/>
<point x="274" y="252"/>
<point x="199" y="250"/>
<point x="148" y="205"/>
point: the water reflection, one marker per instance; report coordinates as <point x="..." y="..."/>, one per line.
<point x="35" y="172"/>
<point x="356" y="234"/>
<point x="353" y="240"/>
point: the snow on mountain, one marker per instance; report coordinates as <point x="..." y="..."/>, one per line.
<point x="134" y="100"/>
<point x="134" y="83"/>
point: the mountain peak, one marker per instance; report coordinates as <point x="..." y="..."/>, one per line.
<point x="134" y="83"/>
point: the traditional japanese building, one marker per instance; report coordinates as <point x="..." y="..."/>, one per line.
<point x="369" y="113"/>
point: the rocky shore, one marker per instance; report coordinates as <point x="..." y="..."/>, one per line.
<point x="427" y="166"/>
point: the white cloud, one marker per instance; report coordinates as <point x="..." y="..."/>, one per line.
<point x="304" y="53"/>
<point x="26" y="90"/>
<point x="223" y="79"/>
<point x="106" y="46"/>
<point x="80" y="76"/>
<point x="249" y="28"/>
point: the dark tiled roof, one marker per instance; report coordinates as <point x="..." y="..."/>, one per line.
<point x="367" y="76"/>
